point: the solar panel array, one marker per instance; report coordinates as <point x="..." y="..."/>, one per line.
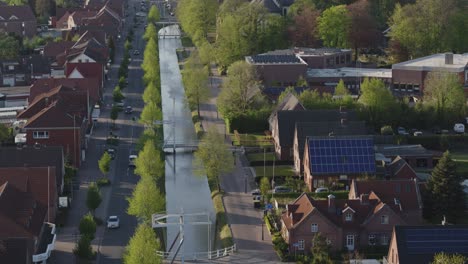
<point x="434" y="240"/>
<point x="275" y="59"/>
<point x="341" y="155"/>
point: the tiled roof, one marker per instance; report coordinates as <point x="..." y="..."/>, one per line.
<point x="79" y="15"/>
<point x="45" y="85"/>
<point x="300" y="209"/>
<point x="397" y="165"/>
<point x="419" y="244"/>
<point x="270" y="5"/>
<point x="87" y="70"/>
<point x="52" y="48"/>
<point x="57" y="114"/>
<point x="97" y="35"/>
<point x="33" y="180"/>
<point x="287" y="121"/>
<point x="290" y="102"/>
<point x="16" y="250"/>
<point x="29" y="156"/>
<point x="16" y="14"/>
<point x="405" y="151"/>
<point x="405" y="190"/>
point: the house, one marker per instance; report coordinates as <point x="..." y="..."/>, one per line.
<point x="415" y="155"/>
<point x="398" y="168"/>
<point x="408" y="77"/>
<point x="26" y="235"/>
<point x="328" y="160"/>
<point x="87" y="85"/>
<point x="59" y="119"/>
<point x="19" y="20"/>
<point x="347" y="224"/>
<point x="76" y="18"/>
<point x="35" y="156"/>
<point x="273" y="93"/>
<point x="39" y="66"/>
<point x="16" y="96"/>
<point x="106" y="19"/>
<point x="118" y="6"/>
<point x="52" y="48"/>
<point x="289" y="102"/>
<point x="14" y="73"/>
<point x="419" y="244"/>
<point x="283" y="124"/>
<point x="306" y="129"/>
<point x="404" y="193"/>
<point x="85" y="70"/>
<point x="275" y="7"/>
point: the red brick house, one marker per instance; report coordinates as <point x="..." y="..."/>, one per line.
<point x="19" y="20"/>
<point x="289" y="102"/>
<point x="328" y="160"/>
<point x="52" y="49"/>
<point x="87" y="85"/>
<point x="85" y="70"/>
<point x="399" y="169"/>
<point x="348" y="224"/>
<point x="282" y="126"/>
<point x="419" y="244"/>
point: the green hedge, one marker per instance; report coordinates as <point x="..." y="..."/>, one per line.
<point x="250" y="122"/>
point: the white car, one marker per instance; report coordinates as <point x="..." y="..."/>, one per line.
<point x="131" y="160"/>
<point x="113" y="222"/>
<point x="321" y="190"/>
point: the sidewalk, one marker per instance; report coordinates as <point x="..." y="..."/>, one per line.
<point x="245" y="221"/>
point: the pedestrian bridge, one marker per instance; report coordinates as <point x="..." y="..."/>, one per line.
<point x="191" y="146"/>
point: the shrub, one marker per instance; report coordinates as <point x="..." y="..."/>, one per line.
<point x="83" y="249"/>
<point x="103" y="182"/>
<point x="386" y="131"/>
<point x="280" y="246"/>
<point x="87" y="226"/>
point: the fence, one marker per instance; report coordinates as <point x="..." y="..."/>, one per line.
<point x="219" y="253"/>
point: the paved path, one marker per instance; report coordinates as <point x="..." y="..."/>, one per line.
<point x="245" y="221"/>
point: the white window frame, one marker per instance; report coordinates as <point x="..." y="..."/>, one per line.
<point x="314" y="228"/>
<point x="384" y="239"/>
<point x="384" y="219"/>
<point x="372" y="240"/>
<point x="301" y="244"/>
<point x="348" y="217"/>
<point x="40" y="134"/>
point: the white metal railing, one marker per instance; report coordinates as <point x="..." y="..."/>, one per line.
<point x="44" y="256"/>
<point x="219" y="253"/>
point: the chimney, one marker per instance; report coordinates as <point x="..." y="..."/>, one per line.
<point x="344" y="122"/>
<point x="364" y="198"/>
<point x="331" y="203"/>
<point x="449" y="58"/>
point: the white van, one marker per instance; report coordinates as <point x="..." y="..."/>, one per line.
<point x="459" y="128"/>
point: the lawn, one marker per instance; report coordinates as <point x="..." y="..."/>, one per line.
<point x="269" y="156"/>
<point x="279" y="171"/>
<point x="461" y="159"/>
<point x="252" y="140"/>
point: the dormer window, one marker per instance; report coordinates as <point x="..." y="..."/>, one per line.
<point x="384" y="219"/>
<point x="1" y="18"/>
<point x="13" y="17"/>
<point x="348" y="216"/>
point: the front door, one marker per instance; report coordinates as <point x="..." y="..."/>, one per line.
<point x="350" y="242"/>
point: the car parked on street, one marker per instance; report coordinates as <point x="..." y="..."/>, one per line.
<point x="128" y="110"/>
<point x="113" y="222"/>
<point x="255" y="192"/>
<point x="417" y="133"/>
<point x="131" y="160"/>
<point x="402" y="131"/>
<point x="111" y="152"/>
<point x="322" y="190"/>
<point x="281" y="189"/>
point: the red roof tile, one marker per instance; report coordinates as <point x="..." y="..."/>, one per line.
<point x="45" y="85"/>
<point x="52" y="49"/>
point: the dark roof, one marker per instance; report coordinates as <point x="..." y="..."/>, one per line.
<point x="275" y="59"/>
<point x="41" y="86"/>
<point x="290" y="102"/>
<point x="405" y="151"/>
<point x="270" y="5"/>
<point x="40" y="64"/>
<point x="307" y="129"/>
<point x="58" y="114"/>
<point x="52" y="48"/>
<point x="302" y="51"/>
<point x="287" y="121"/>
<point x="396" y="166"/>
<point x="341" y="155"/>
<point x="16" y="250"/>
<point x="29" y="156"/>
<point x="419" y="244"/>
<point x="22" y="13"/>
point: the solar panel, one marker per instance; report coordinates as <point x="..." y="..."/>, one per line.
<point x="425" y="241"/>
<point x="275" y="59"/>
<point x="341" y="155"/>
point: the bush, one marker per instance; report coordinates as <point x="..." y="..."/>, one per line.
<point x="250" y="122"/>
<point x="386" y="130"/>
<point x="83" y="249"/>
<point x="98" y="221"/>
<point x="103" y="182"/>
<point x="87" y="226"/>
<point x="280" y="246"/>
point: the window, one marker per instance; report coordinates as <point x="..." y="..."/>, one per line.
<point x="300" y="244"/>
<point x="384" y="219"/>
<point x="328" y="241"/>
<point x="408" y="188"/>
<point x="40" y="134"/>
<point x="372" y="239"/>
<point x="384" y="239"/>
<point x="314" y="228"/>
<point x="397" y="188"/>
<point x="349" y="217"/>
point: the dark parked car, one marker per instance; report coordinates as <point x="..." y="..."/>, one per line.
<point x="111" y="152"/>
<point x="128" y="110"/>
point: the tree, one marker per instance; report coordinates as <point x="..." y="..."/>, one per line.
<point x="377" y="102"/>
<point x="303" y="30"/>
<point x="333" y="27"/>
<point x="340" y="89"/>
<point x="445" y="191"/>
<point x="111" y="46"/>
<point x="197" y="17"/>
<point x="122" y="82"/>
<point x="142" y="247"/>
<point x="300" y="6"/>
<point x="238" y="89"/>
<point x="150" y="114"/>
<point x="421" y="27"/>
<point x="146" y="200"/>
<point x="149" y="163"/>
<point x="5" y="134"/>
<point x="117" y="94"/>
<point x="265" y="186"/>
<point x="444" y="92"/>
<point x="83" y="248"/>
<point x="9" y="47"/>
<point x="152" y="93"/>
<point x="43" y="8"/>
<point x="114" y="114"/>
<point x="363" y="32"/>
<point x="213" y="157"/>
<point x="195" y="78"/>
<point x="150" y="32"/>
<point x="104" y="163"/>
<point x="153" y="15"/>
<point x="93" y="198"/>
<point x="320" y="250"/>
<point x="206" y="53"/>
<point x="87" y="226"/>
<point x="16" y="2"/>
<point x="443" y="258"/>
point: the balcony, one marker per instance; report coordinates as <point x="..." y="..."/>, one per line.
<point x="46" y="243"/>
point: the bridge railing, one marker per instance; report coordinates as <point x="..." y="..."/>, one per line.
<point x="219" y="253"/>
